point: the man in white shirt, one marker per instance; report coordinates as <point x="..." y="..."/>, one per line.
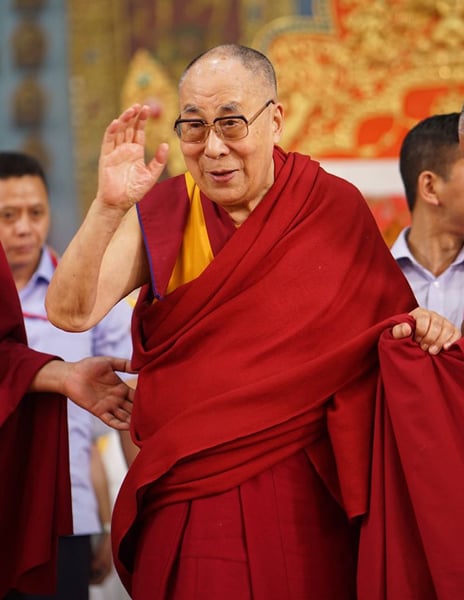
<point x="430" y="252"/>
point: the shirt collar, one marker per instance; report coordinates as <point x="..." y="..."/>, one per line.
<point x="400" y="250"/>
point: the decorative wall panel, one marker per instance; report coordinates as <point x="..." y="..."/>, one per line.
<point x="354" y="76"/>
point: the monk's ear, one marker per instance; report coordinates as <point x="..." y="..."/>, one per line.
<point x="427" y="187"/>
<point x="278" y="121"/>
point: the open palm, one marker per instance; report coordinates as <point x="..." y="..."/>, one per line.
<point x="93" y="384"/>
<point x="124" y="177"/>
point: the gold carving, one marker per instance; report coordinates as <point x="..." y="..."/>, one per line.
<point x="98" y="59"/>
<point x="355" y="78"/>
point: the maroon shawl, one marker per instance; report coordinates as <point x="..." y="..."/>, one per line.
<point x="271" y="349"/>
<point x="412" y="539"/>
<point x="35" y="497"/>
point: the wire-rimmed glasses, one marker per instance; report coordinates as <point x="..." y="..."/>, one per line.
<point x="230" y="129"/>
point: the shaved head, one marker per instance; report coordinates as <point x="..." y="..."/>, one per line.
<point x="253" y="60"/>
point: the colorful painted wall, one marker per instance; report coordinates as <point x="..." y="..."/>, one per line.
<point x="353" y="75"/>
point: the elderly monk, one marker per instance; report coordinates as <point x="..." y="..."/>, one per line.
<point x="35" y="504"/>
<point x="265" y="287"/>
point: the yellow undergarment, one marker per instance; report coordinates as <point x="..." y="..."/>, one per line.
<point x="195" y="253"/>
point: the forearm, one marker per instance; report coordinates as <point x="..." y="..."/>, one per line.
<point x="50" y="378"/>
<point x="106" y="259"/>
<point x="73" y="291"/>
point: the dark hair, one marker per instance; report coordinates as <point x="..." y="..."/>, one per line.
<point x="19" y="164"/>
<point x="431" y="145"/>
<point x="253" y="60"/>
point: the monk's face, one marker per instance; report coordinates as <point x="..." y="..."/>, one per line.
<point x="237" y="174"/>
<point x="24" y="221"/>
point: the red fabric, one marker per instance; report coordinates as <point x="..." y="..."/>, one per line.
<point x="271" y="349"/>
<point x="168" y="224"/>
<point x="257" y="541"/>
<point x="412" y="540"/>
<point x="35" y="501"/>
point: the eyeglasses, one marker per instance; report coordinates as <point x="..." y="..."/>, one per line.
<point x="232" y="128"/>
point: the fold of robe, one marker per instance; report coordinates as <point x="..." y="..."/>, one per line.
<point x="411" y="542"/>
<point x="35" y="496"/>
<point x="271" y="349"/>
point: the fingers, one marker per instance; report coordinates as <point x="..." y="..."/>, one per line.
<point x="122" y="365"/>
<point x="118" y="417"/>
<point x="125" y="408"/>
<point x="138" y="130"/>
<point x="157" y="164"/>
<point x="130" y="396"/>
<point x="401" y="330"/>
<point x="433" y="332"/>
<point x="114" y="421"/>
<point x="453" y="336"/>
<point x="129" y="127"/>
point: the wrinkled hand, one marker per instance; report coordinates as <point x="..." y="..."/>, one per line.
<point x="123" y="176"/>
<point x="433" y="332"/>
<point x="93" y="384"/>
<point x="102" y="560"/>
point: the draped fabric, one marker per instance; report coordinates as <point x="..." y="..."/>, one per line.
<point x="35" y="501"/>
<point x="411" y="540"/>
<point x="278" y="536"/>
<point x="271" y="349"/>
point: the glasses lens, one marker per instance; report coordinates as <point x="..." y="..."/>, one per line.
<point x="227" y="128"/>
<point x="231" y="129"/>
<point x="193" y="131"/>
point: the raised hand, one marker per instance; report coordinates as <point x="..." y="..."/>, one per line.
<point x="124" y="177"/>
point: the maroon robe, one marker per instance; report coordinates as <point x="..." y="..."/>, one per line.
<point x="35" y="497"/>
<point x="265" y="364"/>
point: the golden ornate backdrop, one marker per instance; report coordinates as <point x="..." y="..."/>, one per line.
<point x="354" y="76"/>
<point x="354" y="87"/>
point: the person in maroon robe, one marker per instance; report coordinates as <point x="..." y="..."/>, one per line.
<point x="265" y="288"/>
<point x="35" y="501"/>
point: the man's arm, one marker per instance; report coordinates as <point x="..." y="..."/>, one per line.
<point x="106" y="259"/>
<point x="92" y="384"/>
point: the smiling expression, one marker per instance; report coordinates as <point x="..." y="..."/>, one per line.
<point x="235" y="175"/>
